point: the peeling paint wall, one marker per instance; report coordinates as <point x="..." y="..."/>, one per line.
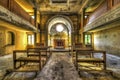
<point x="44" y="25"/>
<point x="108" y="40"/>
<point x="20" y="40"/>
<point x="2" y="41"/>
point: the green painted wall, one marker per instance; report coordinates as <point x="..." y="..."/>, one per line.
<point x="108" y="40"/>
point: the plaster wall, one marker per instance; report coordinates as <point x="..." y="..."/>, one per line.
<point x="108" y="40"/>
<point x="20" y="40"/>
<point x="45" y="18"/>
<point x="2" y="41"/>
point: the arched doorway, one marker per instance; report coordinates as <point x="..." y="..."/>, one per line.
<point x="59" y="32"/>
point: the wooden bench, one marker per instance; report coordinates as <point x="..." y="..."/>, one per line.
<point x="45" y="51"/>
<point x="74" y="49"/>
<point x="25" y="60"/>
<point x="81" y="57"/>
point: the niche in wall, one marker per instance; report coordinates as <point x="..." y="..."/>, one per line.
<point x="10" y="38"/>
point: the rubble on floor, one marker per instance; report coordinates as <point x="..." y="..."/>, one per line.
<point x="59" y="67"/>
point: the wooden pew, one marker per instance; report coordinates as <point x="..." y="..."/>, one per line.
<point x="45" y="53"/>
<point x="25" y="59"/>
<point x="77" y="48"/>
<point x="88" y="57"/>
<point x="37" y="54"/>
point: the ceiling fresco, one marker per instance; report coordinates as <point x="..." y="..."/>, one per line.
<point x="59" y="5"/>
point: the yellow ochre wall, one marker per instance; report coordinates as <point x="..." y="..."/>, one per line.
<point x="20" y="40"/>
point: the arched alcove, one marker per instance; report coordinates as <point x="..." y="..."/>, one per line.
<point x="10" y="38"/>
<point x="63" y="37"/>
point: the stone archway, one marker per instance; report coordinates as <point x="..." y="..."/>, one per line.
<point x="66" y="34"/>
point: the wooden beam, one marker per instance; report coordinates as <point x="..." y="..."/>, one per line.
<point x="109" y="4"/>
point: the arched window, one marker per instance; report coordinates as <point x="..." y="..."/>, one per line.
<point x="10" y="38"/>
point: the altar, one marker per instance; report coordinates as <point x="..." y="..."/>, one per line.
<point x="59" y="43"/>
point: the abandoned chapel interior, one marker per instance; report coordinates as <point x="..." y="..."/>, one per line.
<point x="59" y="39"/>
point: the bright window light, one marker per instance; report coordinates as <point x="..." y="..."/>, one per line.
<point x="59" y="28"/>
<point x="33" y="17"/>
<point x="31" y="39"/>
<point x="32" y="42"/>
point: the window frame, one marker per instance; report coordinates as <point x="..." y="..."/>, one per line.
<point x="90" y="36"/>
<point x="32" y="39"/>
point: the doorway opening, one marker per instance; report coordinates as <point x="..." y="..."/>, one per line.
<point x="59" y="32"/>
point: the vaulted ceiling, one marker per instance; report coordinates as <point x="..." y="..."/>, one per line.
<point x="75" y="6"/>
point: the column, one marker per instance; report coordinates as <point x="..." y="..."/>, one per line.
<point x="35" y="22"/>
<point x="109" y="4"/>
<point x="78" y="28"/>
<point x="82" y="24"/>
<point x="40" y="28"/>
<point x="35" y="16"/>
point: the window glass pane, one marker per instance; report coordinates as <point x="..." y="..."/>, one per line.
<point x="87" y="39"/>
<point x="30" y="39"/>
